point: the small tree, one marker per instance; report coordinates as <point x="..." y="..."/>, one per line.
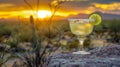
<point x="38" y="56"/>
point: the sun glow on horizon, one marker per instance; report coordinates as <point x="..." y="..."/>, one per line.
<point x="41" y="14"/>
<point x="44" y="14"/>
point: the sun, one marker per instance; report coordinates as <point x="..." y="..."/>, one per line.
<point x="44" y="14"/>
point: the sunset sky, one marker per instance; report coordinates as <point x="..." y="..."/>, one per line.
<point x="14" y="8"/>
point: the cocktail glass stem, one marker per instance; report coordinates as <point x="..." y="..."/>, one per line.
<point x="81" y="43"/>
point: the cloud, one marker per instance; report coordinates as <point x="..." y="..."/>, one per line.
<point x="104" y="1"/>
<point x="110" y="7"/>
<point x="6" y="5"/>
<point x="72" y="6"/>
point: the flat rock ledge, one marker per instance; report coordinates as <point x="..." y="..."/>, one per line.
<point x="108" y="56"/>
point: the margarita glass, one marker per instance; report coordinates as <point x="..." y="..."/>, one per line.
<point x="81" y="28"/>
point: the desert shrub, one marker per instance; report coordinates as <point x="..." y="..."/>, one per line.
<point x="13" y="42"/>
<point x="110" y="26"/>
<point x="87" y="43"/>
<point x="72" y="44"/>
<point x="5" y="29"/>
<point x="54" y="28"/>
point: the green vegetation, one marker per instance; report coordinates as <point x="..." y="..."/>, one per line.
<point x="7" y="29"/>
<point x="111" y="27"/>
<point x="15" y="33"/>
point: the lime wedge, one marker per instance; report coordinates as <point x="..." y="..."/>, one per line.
<point x="96" y="17"/>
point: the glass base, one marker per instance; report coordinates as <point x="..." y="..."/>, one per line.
<point x="81" y="52"/>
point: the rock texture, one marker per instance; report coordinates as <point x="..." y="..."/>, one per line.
<point x="108" y="56"/>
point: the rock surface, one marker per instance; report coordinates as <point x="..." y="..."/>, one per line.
<point x="108" y="56"/>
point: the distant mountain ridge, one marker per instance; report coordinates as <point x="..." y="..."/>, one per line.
<point x="110" y="16"/>
<point x="105" y="16"/>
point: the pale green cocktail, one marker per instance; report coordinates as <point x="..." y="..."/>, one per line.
<point x="83" y="27"/>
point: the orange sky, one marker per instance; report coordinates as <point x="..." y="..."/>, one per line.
<point x="13" y="8"/>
